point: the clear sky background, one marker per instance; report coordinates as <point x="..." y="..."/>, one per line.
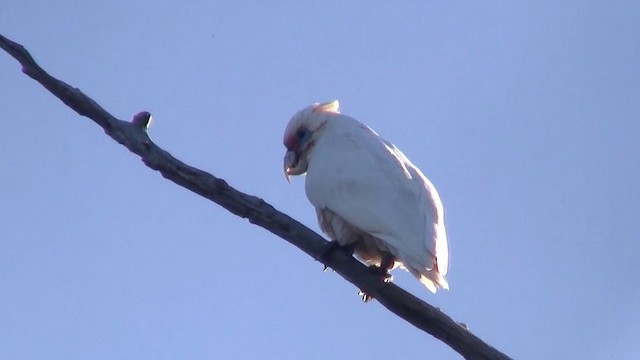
<point x="525" y="117"/>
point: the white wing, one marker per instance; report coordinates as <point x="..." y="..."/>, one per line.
<point x="373" y="186"/>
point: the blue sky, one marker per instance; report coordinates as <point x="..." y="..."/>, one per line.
<point x="525" y="117"/>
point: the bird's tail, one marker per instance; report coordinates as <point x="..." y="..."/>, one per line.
<point x="431" y="279"/>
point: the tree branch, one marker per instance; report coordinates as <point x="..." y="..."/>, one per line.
<point x="133" y="135"/>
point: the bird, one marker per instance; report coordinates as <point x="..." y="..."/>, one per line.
<point x="367" y="195"/>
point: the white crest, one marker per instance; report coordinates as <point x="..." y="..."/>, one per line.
<point x="333" y="107"/>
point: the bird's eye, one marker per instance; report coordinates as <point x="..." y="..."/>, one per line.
<point x="302" y="133"/>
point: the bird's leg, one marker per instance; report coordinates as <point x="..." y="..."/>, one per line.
<point x="332" y="246"/>
<point x="386" y="264"/>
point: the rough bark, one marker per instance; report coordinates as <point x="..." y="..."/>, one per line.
<point x="133" y="135"/>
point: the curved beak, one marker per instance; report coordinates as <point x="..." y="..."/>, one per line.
<point x="290" y="162"/>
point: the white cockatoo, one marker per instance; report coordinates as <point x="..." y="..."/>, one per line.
<point x="368" y="196"/>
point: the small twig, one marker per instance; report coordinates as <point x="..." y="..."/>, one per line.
<point x="133" y="135"/>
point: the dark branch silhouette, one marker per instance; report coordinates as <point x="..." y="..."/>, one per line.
<point x="133" y="135"/>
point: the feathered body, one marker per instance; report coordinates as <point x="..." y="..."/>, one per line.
<point x="368" y="194"/>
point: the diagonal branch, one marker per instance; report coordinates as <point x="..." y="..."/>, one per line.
<point x="133" y="135"/>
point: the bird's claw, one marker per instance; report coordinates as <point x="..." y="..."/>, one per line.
<point x="382" y="272"/>
<point x="365" y="297"/>
<point x="329" y="248"/>
<point x="385" y="277"/>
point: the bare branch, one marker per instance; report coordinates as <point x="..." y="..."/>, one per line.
<point x="133" y="135"/>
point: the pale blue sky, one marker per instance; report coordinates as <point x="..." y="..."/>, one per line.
<point x="524" y="116"/>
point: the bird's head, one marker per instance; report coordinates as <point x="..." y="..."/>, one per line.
<point x="300" y="135"/>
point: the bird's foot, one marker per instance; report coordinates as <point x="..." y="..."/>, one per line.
<point x="382" y="272"/>
<point x="332" y="246"/>
<point x="365" y="297"/>
<point x="386" y="264"/>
